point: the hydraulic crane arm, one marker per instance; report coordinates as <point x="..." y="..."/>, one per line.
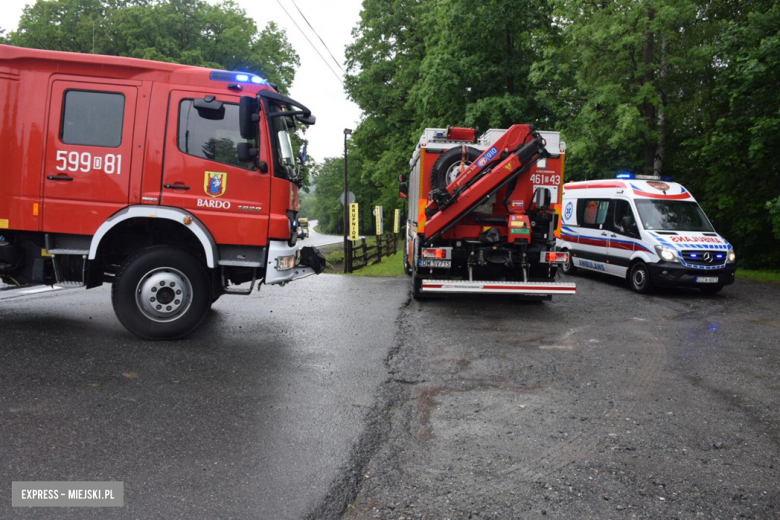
<point x="511" y="155"/>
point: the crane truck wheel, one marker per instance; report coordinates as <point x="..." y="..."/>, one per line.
<point x="161" y="293"/>
<point x="447" y="167"/>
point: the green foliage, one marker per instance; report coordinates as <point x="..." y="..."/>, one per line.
<point x="192" y="32"/>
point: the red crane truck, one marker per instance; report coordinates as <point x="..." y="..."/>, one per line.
<point x="173" y="183"/>
<point x="484" y="213"/>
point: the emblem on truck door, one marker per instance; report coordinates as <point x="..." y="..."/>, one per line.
<point x="215" y="183"/>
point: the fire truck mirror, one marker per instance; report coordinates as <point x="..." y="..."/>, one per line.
<point x="209" y="108"/>
<point x="403" y="189"/>
<point x="306" y="120"/>
<point x="248" y="116"/>
<point x="246" y="153"/>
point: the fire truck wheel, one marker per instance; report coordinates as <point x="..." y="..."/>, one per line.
<point x="161" y="293"/>
<point x="568" y="267"/>
<point x="447" y="167"/>
<point x="639" y="278"/>
<point x="407" y="267"/>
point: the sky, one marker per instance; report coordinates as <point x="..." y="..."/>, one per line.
<point x="315" y="86"/>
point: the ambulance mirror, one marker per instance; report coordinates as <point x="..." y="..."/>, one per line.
<point x="248" y="116"/>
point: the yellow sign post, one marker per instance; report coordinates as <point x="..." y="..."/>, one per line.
<point x="397" y="225"/>
<point x="353" y="222"/>
<point x="379" y="214"/>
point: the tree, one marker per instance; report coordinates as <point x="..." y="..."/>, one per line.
<point x="192" y="32"/>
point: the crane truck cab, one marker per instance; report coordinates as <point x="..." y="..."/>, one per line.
<point x="483" y="213"/>
<point x="648" y="230"/>
<point x="173" y="183"/>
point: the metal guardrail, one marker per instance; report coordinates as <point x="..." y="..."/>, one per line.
<point x="361" y="254"/>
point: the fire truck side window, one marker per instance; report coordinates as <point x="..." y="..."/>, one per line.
<point x="92" y="118"/>
<point x="592" y="213"/>
<point x="210" y="134"/>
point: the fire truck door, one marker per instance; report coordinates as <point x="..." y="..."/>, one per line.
<point x="86" y="172"/>
<point x="203" y="175"/>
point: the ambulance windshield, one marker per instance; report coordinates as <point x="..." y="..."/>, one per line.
<point x="672" y="215"/>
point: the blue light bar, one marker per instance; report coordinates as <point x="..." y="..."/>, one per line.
<point x="236" y="77"/>
<point x="667" y="178"/>
<point x="625" y="175"/>
<point x="694" y="255"/>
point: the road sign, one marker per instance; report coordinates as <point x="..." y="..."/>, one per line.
<point x="351" y="197"/>
<point x="353" y="222"/>
<point x="379" y="214"/>
<point x="397" y="222"/>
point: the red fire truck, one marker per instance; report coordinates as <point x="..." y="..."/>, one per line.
<point x="484" y="213"/>
<point x="173" y="183"/>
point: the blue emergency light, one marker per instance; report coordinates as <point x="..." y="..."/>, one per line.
<point x="626" y="175"/>
<point x="236" y="77"/>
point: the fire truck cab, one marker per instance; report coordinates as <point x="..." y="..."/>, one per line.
<point x="172" y="182"/>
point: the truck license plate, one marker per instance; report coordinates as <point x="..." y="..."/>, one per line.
<point x="435" y="263"/>
<point x="706" y="279"/>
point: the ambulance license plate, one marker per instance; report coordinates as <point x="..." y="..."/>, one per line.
<point x="706" y="279"/>
<point x="435" y="263"/>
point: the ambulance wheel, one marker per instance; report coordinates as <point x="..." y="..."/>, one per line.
<point x="711" y="289"/>
<point x="447" y="167"/>
<point x="639" y="278"/>
<point x="568" y="267"/>
<point x="161" y="293"/>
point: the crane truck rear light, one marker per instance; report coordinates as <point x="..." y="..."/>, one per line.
<point x="439" y="253"/>
<point x="553" y="257"/>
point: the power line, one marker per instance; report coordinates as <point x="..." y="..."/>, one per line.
<point x="310" y="43"/>
<point x="318" y="36"/>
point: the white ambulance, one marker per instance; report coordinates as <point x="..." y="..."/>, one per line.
<point x="648" y="230"/>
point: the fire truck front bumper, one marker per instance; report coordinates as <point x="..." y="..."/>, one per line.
<point x="288" y="263"/>
<point x="521" y="288"/>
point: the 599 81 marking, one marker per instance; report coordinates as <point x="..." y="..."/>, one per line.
<point x="85" y="162"/>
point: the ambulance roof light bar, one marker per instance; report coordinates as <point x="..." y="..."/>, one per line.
<point x="626" y="175"/>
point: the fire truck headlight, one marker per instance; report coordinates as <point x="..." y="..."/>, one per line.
<point x="667" y="253"/>
<point x="732" y="256"/>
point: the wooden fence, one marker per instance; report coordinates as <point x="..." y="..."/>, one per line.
<point x="361" y="254"/>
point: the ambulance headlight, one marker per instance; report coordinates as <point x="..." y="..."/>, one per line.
<point x="732" y="256"/>
<point x="667" y="253"/>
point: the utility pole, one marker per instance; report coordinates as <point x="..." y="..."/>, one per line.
<point x="347" y="243"/>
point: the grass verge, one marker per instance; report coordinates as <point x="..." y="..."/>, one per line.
<point x="389" y="266"/>
<point x="759" y="275"/>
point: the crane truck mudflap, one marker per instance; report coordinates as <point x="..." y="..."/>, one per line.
<point x="464" y="286"/>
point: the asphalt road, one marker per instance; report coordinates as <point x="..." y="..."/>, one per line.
<point x="254" y="416"/>
<point x="606" y="404"/>
<point x="318" y="239"/>
<point x="342" y="397"/>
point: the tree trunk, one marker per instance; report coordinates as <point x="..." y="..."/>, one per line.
<point x="648" y="109"/>
<point x="660" y="151"/>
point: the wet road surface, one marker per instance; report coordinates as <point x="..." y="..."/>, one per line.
<point x="253" y="416"/>
<point x="607" y="404"/>
<point x="341" y="397"/>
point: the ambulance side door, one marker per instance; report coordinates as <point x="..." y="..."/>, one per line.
<point x="622" y="242"/>
<point x="593" y="236"/>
